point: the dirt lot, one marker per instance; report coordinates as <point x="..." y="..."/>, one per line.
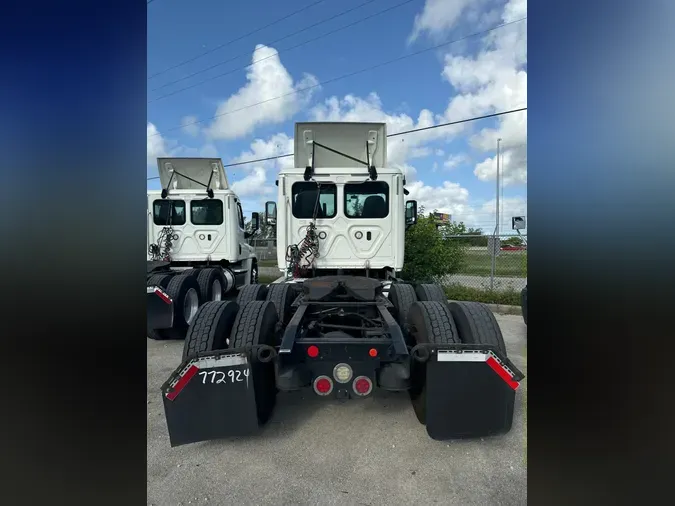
<point x="315" y="452"/>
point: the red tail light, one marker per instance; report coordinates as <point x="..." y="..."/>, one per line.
<point x="362" y="386"/>
<point x="313" y="351"/>
<point x="323" y="385"/>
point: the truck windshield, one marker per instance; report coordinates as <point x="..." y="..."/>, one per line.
<point x="304" y="200"/>
<point x="206" y="212"/>
<point x="367" y="200"/>
<point x="168" y="212"/>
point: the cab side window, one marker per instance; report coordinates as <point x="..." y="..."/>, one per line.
<point x="241" y="215"/>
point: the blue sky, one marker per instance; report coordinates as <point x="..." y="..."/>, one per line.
<point x="451" y="169"/>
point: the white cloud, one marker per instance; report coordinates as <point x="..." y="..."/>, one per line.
<point x="483" y="216"/>
<point x="438" y="16"/>
<point x="158" y="147"/>
<point x="252" y="180"/>
<point x="251" y="184"/>
<point x="270" y="86"/>
<point x="453" y="161"/>
<point x="420" y="152"/>
<point x="440" y="152"/>
<point x="278" y="144"/>
<point x="449" y="198"/>
<point x="399" y="149"/>
<point x="190" y="126"/>
<point x="494" y="81"/>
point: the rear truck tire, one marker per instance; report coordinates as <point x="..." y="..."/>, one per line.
<point x="211" y="283"/>
<point x="477" y="325"/>
<point x="402" y="296"/>
<point x="431" y="322"/>
<point x="283" y="296"/>
<point x="190" y="272"/>
<point x="184" y="291"/>
<point x="256" y="324"/>
<point x="210" y="328"/>
<point x="523" y="303"/>
<point x="161" y="280"/>
<point x="431" y="292"/>
<point x="250" y="293"/>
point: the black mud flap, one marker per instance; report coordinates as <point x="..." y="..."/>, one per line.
<point x="463" y="391"/>
<point x="215" y="396"/>
<point x="159" y="309"/>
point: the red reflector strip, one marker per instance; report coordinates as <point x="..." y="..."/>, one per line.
<point x="163" y="296"/>
<point x="180" y="384"/>
<point x="503" y="374"/>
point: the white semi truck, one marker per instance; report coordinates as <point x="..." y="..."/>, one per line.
<point x="197" y="249"/>
<point x="339" y="321"/>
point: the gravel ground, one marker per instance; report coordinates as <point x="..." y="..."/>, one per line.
<point x="320" y="452"/>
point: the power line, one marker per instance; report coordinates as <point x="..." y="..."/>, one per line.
<point x="414" y="130"/>
<point x="344" y="76"/>
<point x="276" y="53"/>
<point x="234" y="40"/>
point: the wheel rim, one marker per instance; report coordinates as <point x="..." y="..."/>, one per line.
<point x="216" y="291"/>
<point x="190" y="305"/>
<point x="254" y="274"/>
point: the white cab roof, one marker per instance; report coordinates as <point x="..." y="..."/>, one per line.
<point x="346" y="137"/>
<point x="198" y="169"/>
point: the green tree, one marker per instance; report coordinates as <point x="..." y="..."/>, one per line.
<point x="429" y="252"/>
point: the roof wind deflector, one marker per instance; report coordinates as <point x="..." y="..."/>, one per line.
<point x="209" y="191"/>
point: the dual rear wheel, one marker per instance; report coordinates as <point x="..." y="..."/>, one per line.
<point x="219" y="325"/>
<point x="426" y="316"/>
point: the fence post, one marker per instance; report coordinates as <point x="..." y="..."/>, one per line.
<point x="493" y="252"/>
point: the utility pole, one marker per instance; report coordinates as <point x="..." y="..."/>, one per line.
<point x="496" y="232"/>
<point x="497" y="207"/>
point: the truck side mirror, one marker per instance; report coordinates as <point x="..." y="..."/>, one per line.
<point x="410" y="212"/>
<point x="271" y="213"/>
<point x="255" y="226"/>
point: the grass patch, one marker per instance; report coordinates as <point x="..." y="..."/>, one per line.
<point x="509" y="297"/>
<point x="508" y="264"/>
<point x="266" y="280"/>
<point x="267" y="263"/>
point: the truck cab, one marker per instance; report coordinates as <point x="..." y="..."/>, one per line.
<point x="342" y="194"/>
<point x="197" y="250"/>
<point x="203" y="216"/>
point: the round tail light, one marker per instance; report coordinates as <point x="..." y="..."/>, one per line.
<point x="323" y="385"/>
<point x="362" y="386"/>
<point x="342" y="373"/>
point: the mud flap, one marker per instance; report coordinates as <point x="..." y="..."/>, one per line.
<point x="159" y="309"/>
<point x="214" y="396"/>
<point x="464" y="391"/>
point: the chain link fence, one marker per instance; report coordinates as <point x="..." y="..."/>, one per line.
<point x="489" y="263"/>
<point x="477" y="270"/>
<point x="265" y="249"/>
